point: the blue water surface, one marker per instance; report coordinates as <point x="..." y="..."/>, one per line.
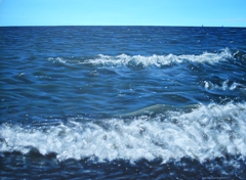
<point x="122" y="102"/>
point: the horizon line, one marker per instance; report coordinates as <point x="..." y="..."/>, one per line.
<point x="204" y="26"/>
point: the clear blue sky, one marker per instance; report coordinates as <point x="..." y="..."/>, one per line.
<point x="123" y="12"/>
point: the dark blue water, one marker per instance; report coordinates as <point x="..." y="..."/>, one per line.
<point x="122" y="103"/>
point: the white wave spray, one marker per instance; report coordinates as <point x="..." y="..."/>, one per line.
<point x="146" y="61"/>
<point x="205" y="133"/>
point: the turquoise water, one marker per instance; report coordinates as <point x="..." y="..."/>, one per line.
<point x="122" y="102"/>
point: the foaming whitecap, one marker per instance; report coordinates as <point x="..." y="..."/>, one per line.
<point x="159" y="60"/>
<point x="225" y="85"/>
<point x="205" y="133"/>
<point x="154" y="60"/>
<point x="58" y="59"/>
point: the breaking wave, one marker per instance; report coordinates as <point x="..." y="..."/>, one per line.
<point x="205" y="133"/>
<point x="225" y="85"/>
<point x="146" y="61"/>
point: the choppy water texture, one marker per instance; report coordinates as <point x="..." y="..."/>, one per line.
<point x="122" y="103"/>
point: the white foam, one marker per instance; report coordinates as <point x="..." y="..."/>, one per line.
<point x="158" y="60"/>
<point x="205" y="133"/>
<point x="224" y="85"/>
<point x="145" y="61"/>
<point x="58" y="59"/>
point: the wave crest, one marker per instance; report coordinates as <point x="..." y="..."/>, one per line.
<point x="158" y="60"/>
<point x="148" y="61"/>
<point x="205" y="133"/>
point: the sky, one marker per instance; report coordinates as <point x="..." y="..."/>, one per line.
<point x="123" y="12"/>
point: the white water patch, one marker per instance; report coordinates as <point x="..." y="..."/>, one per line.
<point x="146" y="61"/>
<point x="58" y="59"/>
<point x="158" y="60"/>
<point x="225" y="85"/>
<point x="205" y="133"/>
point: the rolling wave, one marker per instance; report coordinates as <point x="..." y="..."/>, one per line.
<point x="205" y="133"/>
<point x="147" y="61"/>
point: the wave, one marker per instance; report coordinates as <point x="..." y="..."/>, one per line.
<point x="146" y="61"/>
<point x="205" y="133"/>
<point x="225" y="85"/>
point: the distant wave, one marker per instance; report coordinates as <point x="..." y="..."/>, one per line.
<point x="147" y="61"/>
<point x="205" y="133"/>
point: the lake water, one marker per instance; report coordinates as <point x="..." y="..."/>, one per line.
<point x="122" y="103"/>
